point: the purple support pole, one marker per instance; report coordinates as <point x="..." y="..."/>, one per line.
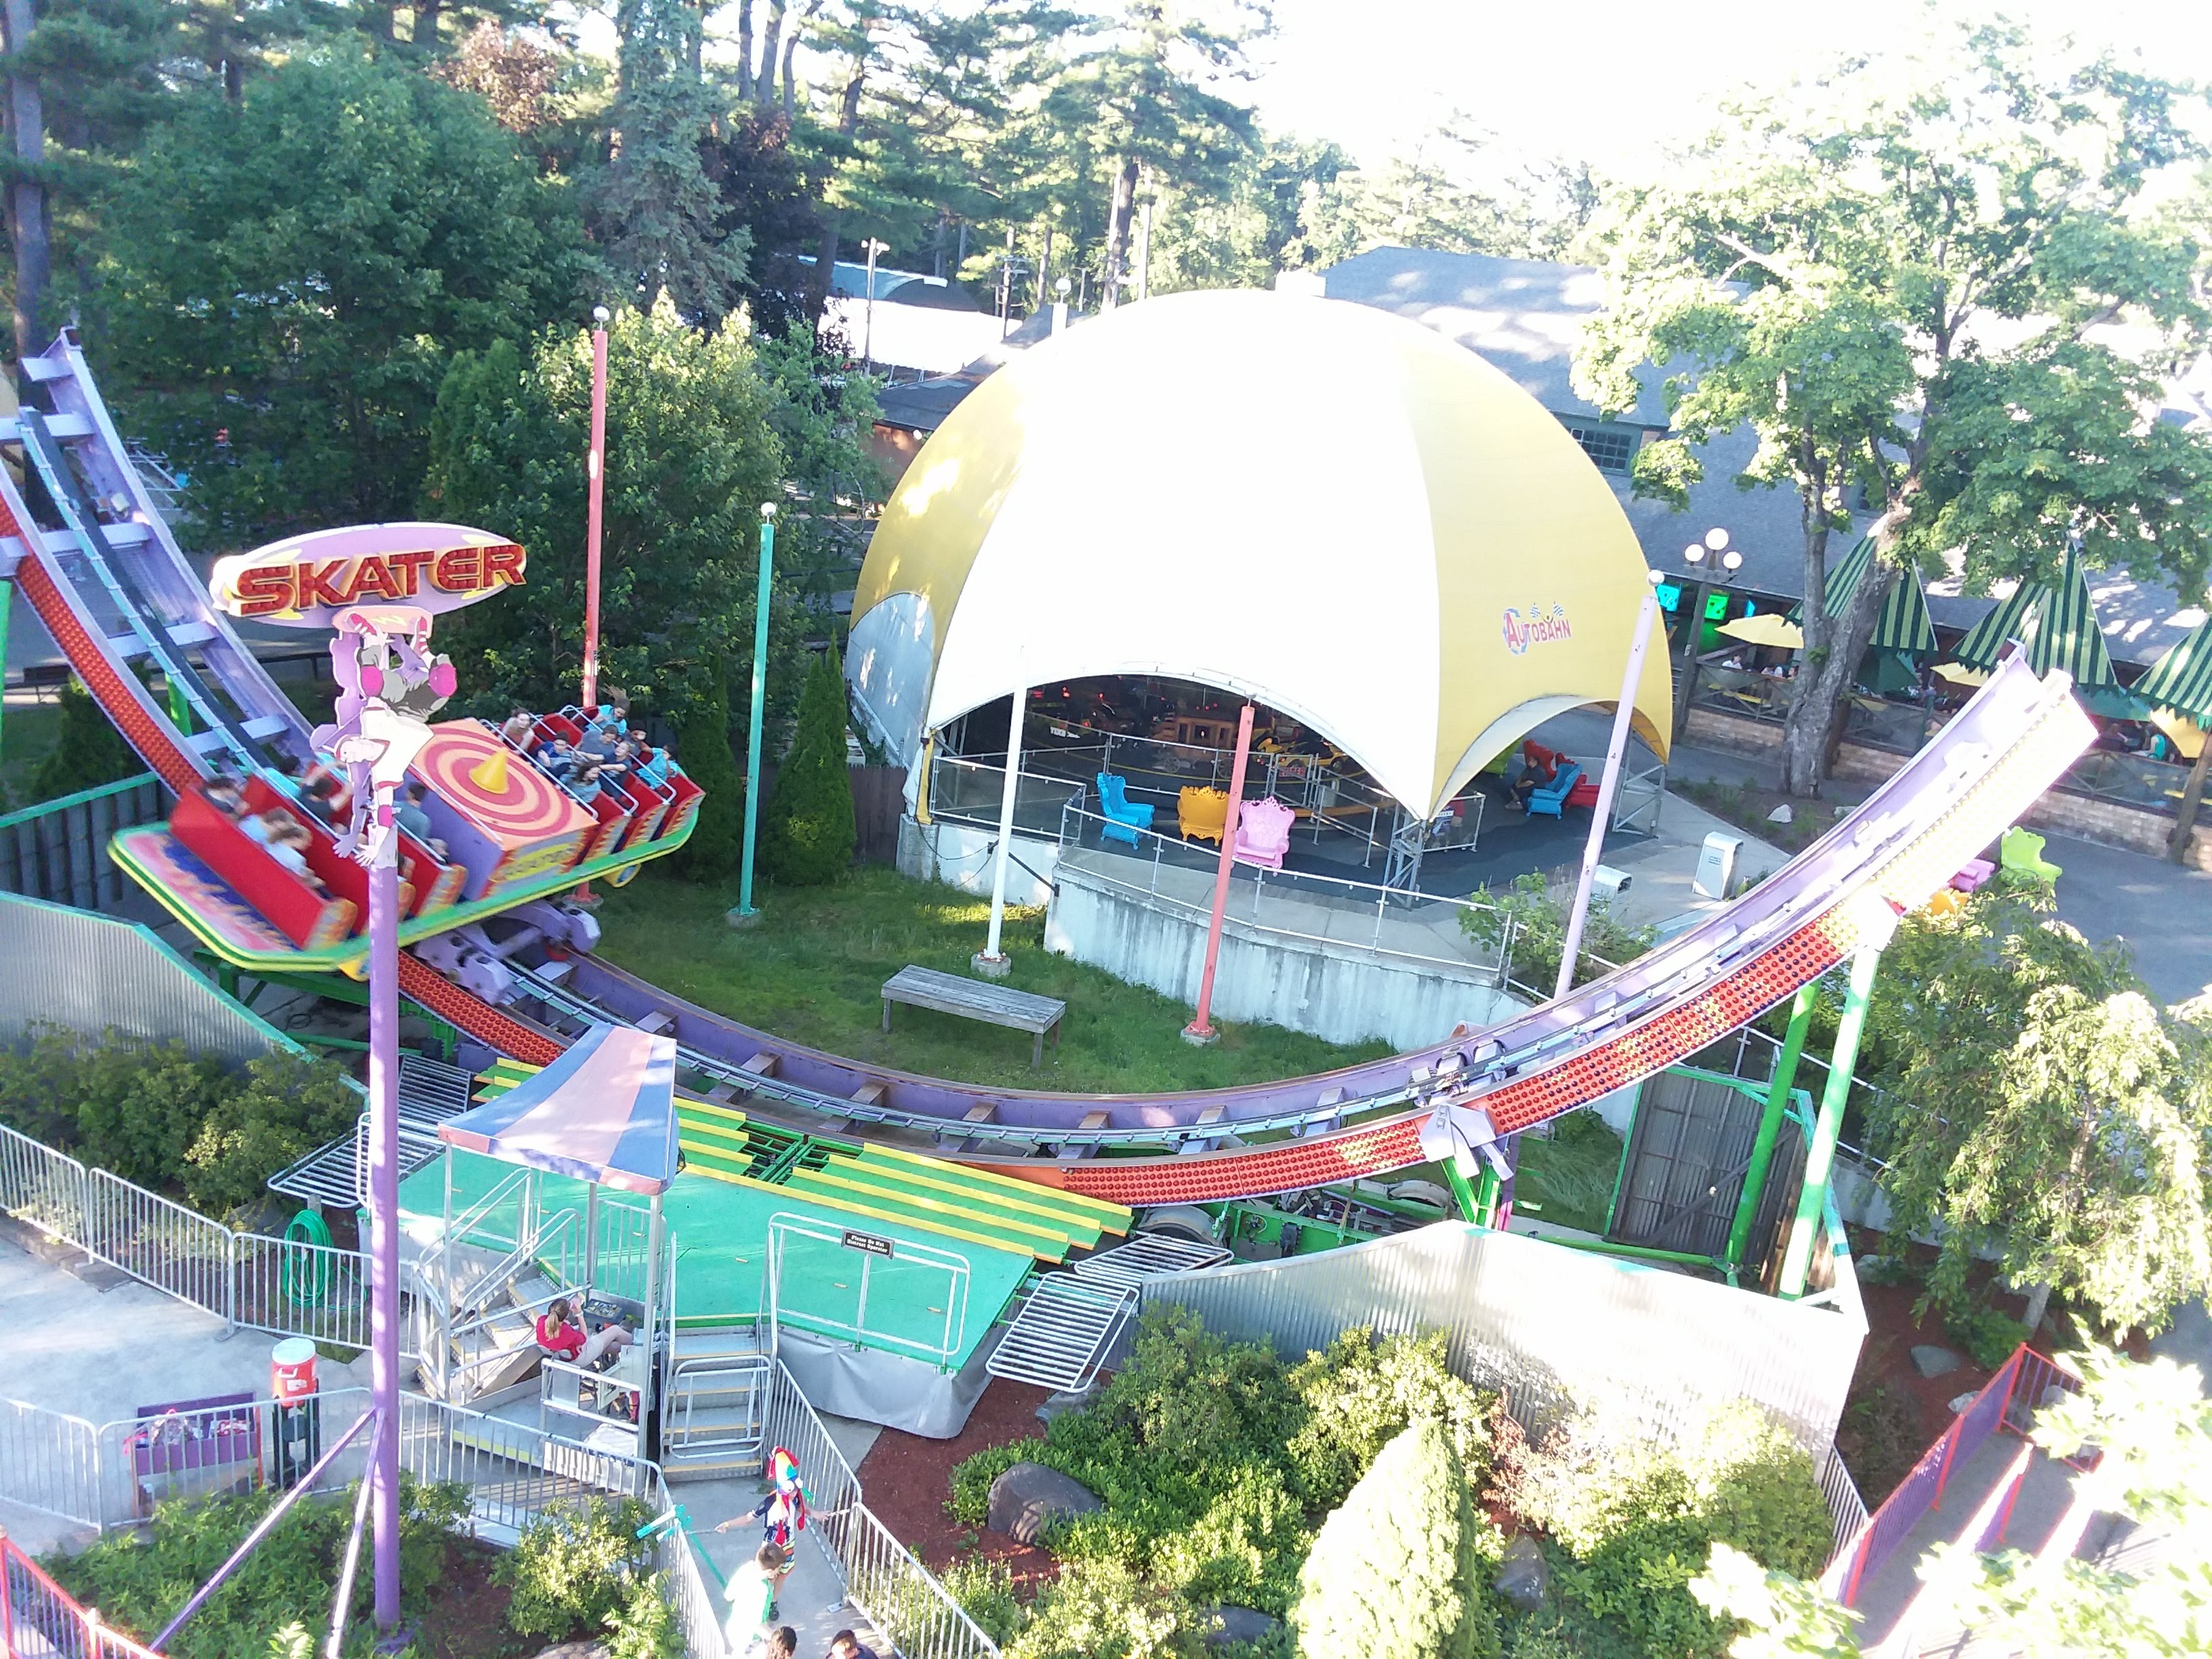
<point x="383" y="1209"/>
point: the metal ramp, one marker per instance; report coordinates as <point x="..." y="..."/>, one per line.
<point x="1149" y="1256"/>
<point x="337" y="1175"/>
<point x="714" y="1407"/>
<point x="1062" y="1335"/>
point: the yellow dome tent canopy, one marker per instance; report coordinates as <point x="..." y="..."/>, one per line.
<point x="1318" y="505"/>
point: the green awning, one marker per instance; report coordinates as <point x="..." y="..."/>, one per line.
<point x="2057" y="624"/>
<point x="1903" y="625"/>
<point x="2182" y="679"/>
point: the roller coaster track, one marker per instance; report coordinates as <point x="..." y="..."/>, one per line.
<point x="100" y="570"/>
<point x="1844" y="893"/>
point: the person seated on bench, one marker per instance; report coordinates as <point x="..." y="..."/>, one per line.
<point x="414" y="821"/>
<point x="287" y="839"/>
<point x="520" y="728"/>
<point x="1532" y="777"/>
<point x="228" y="794"/>
<point x="652" y="765"/>
<point x="561" y="1333"/>
<point x="558" y="759"/>
<point x="584" y="782"/>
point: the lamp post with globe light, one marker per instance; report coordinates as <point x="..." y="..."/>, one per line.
<point x="1713" y="545"/>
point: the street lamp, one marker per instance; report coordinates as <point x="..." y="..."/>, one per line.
<point x="1060" y="306"/>
<point x="1713" y="544"/>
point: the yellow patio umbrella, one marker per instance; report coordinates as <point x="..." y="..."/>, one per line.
<point x="1766" y="628"/>
<point x="2186" y="735"/>
<point x="1959" y="674"/>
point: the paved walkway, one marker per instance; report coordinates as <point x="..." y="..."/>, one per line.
<point x="100" y="1350"/>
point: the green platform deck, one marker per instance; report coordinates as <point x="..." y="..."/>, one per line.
<point x="738" y="1173"/>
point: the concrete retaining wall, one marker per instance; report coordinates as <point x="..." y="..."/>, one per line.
<point x="2108" y="822"/>
<point x="1336" y="992"/>
<point x="961" y="855"/>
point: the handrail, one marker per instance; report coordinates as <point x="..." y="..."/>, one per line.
<point x="466" y="1221"/>
<point x="100" y="1642"/>
<point x="63" y="803"/>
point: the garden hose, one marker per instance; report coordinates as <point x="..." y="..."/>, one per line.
<point x="306" y="1228"/>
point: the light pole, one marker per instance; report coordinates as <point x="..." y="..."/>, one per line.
<point x="868" y="328"/>
<point x="594" y="486"/>
<point x="1715" y="544"/>
<point x="744" y="916"/>
<point x="1060" y="306"/>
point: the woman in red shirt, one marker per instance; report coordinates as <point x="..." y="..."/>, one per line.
<point x="560" y="1335"/>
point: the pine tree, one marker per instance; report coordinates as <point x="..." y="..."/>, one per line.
<point x="702" y="747"/>
<point x="1397" y="1568"/>
<point x="87" y="752"/>
<point x="807" y="834"/>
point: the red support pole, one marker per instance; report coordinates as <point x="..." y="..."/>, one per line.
<point x="594" y="483"/>
<point x="1199" y="1030"/>
<point x="7" y="1612"/>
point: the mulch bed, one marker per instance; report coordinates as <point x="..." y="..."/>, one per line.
<point x="908" y="1479"/>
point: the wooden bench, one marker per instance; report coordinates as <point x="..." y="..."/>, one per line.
<point x="974" y="999"/>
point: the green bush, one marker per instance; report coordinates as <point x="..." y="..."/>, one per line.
<point x="645" y="1626"/>
<point x="1102" y="1610"/>
<point x="806" y="832"/>
<point x="576" y="1568"/>
<point x="1362" y="1391"/>
<point x="985" y="1590"/>
<point x="139" y="1580"/>
<point x="1988" y="1335"/>
<point x="1401" y="1567"/>
<point x="1538" y="924"/>
<point x="1633" y="1520"/>
<point x="156" y="1115"/>
<point x="1214" y="1461"/>
<point x="88" y="751"/>
<point x="702" y="748"/>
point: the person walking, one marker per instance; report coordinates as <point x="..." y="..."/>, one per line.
<point x="751" y="1595"/>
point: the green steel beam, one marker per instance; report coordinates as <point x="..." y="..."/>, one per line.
<point x="1487" y="1193"/>
<point x="1470" y="1206"/>
<point x="1770" y="1124"/>
<point x="1821" y="1156"/>
<point x="1639" y="1252"/>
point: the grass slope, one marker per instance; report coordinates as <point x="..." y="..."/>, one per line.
<point x="813" y="971"/>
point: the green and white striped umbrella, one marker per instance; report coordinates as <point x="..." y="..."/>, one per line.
<point x="1903" y="626"/>
<point x="2182" y="680"/>
<point x="2057" y="624"/>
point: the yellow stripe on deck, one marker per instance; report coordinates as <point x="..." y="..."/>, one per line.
<point x="927" y="1181"/>
<point x="1110" y="1217"/>
<point x="843" y="1183"/>
<point x="835" y="1202"/>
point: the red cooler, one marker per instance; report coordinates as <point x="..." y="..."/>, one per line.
<point x="292" y="1370"/>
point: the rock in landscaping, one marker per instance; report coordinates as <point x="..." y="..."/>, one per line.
<point x="576" y="1650"/>
<point x="1068" y="1399"/>
<point x="1522" y="1578"/>
<point x="1240" y="1625"/>
<point x="1028" y="1497"/>
<point x="1931" y="1361"/>
<point x="1962" y="1402"/>
<point x="1781" y="814"/>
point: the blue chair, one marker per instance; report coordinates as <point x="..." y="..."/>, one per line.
<point x="1550" y="798"/>
<point x="1122" y="819"/>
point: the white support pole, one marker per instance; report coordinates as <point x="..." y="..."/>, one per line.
<point x="992" y="963"/>
<point x="1572" y="947"/>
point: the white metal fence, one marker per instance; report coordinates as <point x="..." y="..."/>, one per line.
<point x="114" y="1473"/>
<point x="287" y="1287"/>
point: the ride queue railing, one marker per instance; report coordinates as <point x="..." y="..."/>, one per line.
<point x="40" y="1619"/>
<point x="287" y="1287"/>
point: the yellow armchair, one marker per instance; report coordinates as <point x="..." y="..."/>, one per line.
<point x="1202" y="814"/>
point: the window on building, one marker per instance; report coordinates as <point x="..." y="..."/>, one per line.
<point x="1611" y="446"/>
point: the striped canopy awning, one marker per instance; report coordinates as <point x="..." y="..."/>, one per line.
<point x="1903" y="625"/>
<point x="2182" y="680"/>
<point x="2057" y="624"/>
<point x="603" y="1112"/>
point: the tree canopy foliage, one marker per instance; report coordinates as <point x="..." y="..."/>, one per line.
<point x="1907" y="280"/>
<point x="2054" y="1111"/>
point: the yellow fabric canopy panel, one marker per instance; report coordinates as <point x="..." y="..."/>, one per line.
<point x="1319" y="505"/>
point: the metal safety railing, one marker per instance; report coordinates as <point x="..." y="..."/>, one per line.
<point x="1389" y="923"/>
<point x="40" y="1619"/>
<point x="287" y="1287"/>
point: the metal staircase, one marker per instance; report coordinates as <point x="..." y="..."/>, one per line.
<point x="714" y="1407"/>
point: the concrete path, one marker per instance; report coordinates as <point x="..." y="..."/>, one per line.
<point x="813" y="1601"/>
<point x="100" y="1350"/>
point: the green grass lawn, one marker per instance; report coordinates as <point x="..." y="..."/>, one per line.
<point x="1568" y="1179"/>
<point x="813" y="971"/>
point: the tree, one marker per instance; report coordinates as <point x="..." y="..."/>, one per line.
<point x="28" y="236"/>
<point x="690" y="455"/>
<point x="286" y="280"/>
<point x="88" y="751"/>
<point x="1902" y="285"/>
<point x="1788" y="1618"/>
<point x="2053" y="1112"/>
<point x="806" y="832"/>
<point x="703" y="748"/>
<point x="1397" y="1568"/>
<point x="1530" y="925"/>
